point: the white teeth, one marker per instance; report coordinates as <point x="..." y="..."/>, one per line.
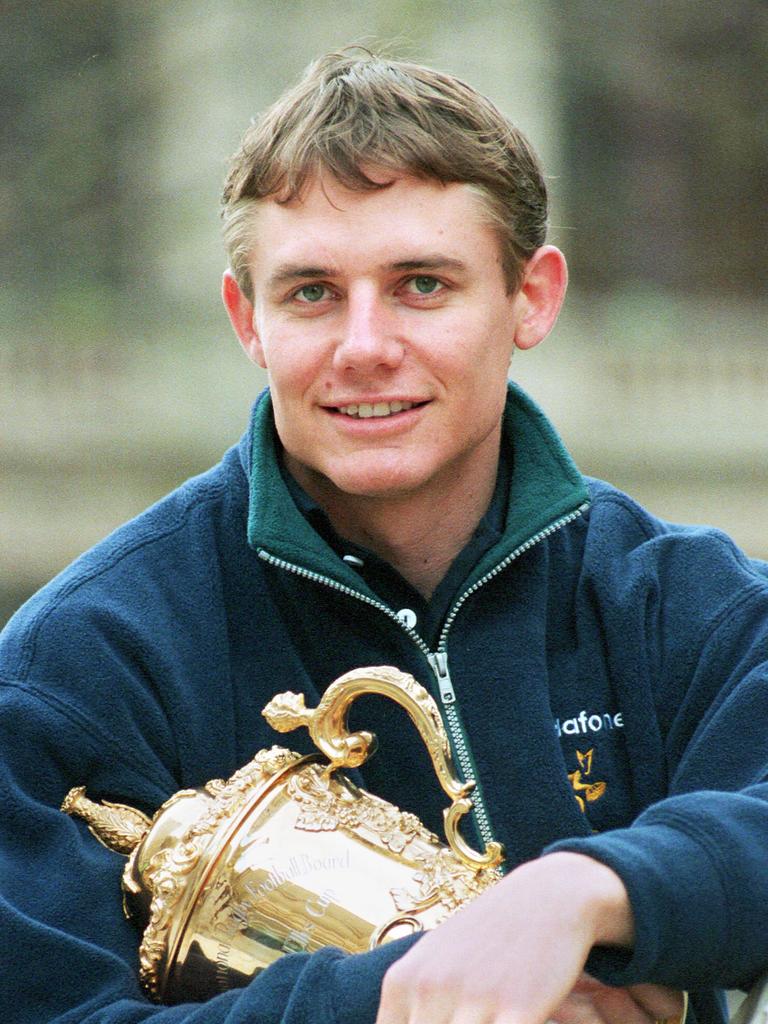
<point x="366" y="409"/>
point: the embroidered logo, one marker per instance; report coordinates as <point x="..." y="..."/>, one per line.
<point x="585" y="722"/>
<point x="585" y="791"/>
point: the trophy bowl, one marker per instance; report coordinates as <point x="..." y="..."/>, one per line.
<point x="289" y="855"/>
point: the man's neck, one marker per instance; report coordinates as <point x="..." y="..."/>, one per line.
<point x="418" y="534"/>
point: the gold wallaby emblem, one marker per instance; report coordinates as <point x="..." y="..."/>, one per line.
<point x="583" y="789"/>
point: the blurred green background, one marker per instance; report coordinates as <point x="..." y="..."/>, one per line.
<point x="119" y="375"/>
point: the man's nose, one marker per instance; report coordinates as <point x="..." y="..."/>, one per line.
<point x="368" y="336"/>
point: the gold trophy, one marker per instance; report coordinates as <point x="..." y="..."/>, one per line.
<point x="288" y="855"/>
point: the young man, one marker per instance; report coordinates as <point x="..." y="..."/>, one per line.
<point x="601" y="674"/>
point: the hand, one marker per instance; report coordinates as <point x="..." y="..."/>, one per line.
<point x="515" y="955"/>
<point x="591" y="1001"/>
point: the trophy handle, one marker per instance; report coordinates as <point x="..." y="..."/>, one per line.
<point x="327" y="725"/>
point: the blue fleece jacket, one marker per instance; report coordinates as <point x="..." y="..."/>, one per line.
<point x="608" y="691"/>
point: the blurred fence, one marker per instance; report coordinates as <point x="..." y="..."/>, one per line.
<point x="683" y="429"/>
<point x="89" y="439"/>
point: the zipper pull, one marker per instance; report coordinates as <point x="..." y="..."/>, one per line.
<point x="439" y="664"/>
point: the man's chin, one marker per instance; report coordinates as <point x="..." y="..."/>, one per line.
<point x="374" y="483"/>
<point x="373" y="487"/>
<point x="359" y="478"/>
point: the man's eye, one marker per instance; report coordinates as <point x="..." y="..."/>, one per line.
<point x="311" y="293"/>
<point x="423" y="284"/>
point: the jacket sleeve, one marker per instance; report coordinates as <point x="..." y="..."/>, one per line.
<point x="68" y="954"/>
<point x="695" y="863"/>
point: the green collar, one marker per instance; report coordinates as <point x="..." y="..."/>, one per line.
<point x="545" y="486"/>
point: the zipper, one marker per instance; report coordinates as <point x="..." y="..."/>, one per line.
<point x="439" y="663"/>
<point x="558" y="524"/>
<point x="438" y="660"/>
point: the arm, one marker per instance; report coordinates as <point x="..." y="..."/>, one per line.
<point x="684" y="623"/>
<point x="694" y="867"/>
<point x="516" y="954"/>
<point x="694" y="863"/>
<point x="691" y="867"/>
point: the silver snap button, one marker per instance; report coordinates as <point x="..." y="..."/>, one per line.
<point x="408" y="617"/>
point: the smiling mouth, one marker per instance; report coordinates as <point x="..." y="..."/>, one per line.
<point x="367" y="410"/>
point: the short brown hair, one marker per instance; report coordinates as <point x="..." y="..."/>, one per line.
<point x="350" y="110"/>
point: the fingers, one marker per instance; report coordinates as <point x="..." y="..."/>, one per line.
<point x="614" y="1006"/>
<point x="413" y="997"/>
<point x="591" y="1001"/>
<point x="661" y="1003"/>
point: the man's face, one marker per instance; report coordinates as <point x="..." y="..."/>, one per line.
<point x="385" y="325"/>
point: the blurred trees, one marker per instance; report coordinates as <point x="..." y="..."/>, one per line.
<point x="117" y="120"/>
<point x="666" y="124"/>
<point x="70" y="110"/>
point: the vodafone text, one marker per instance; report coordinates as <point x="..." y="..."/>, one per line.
<point x="585" y="722"/>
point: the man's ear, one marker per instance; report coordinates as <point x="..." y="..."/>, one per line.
<point x="240" y="310"/>
<point x="540" y="295"/>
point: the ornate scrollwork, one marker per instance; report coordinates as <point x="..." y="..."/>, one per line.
<point x="444" y="881"/>
<point x="169" y="869"/>
<point x="327" y="725"/>
<point x="323" y="808"/>
<point x="166" y="875"/>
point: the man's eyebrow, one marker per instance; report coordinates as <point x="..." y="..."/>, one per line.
<point x="293" y="271"/>
<point x="430" y="262"/>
